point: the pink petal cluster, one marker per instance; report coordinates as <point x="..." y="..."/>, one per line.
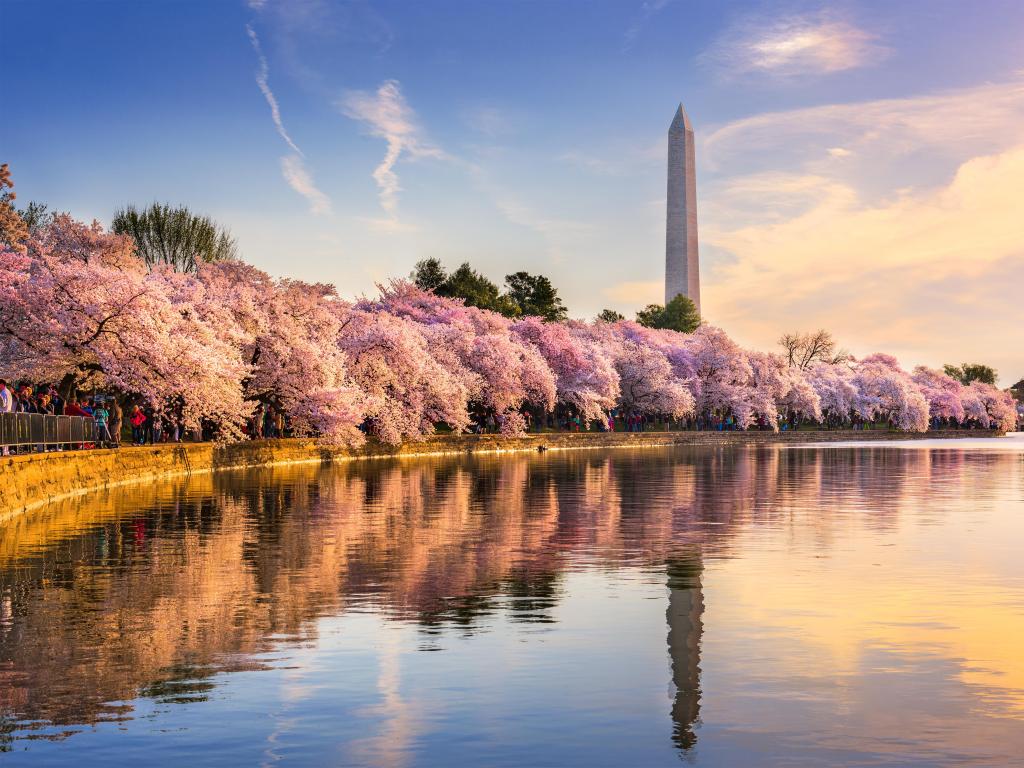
<point x="79" y="307"/>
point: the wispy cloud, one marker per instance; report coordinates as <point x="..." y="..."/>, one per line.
<point x="294" y="171"/>
<point x="262" y="80"/>
<point x="795" y="45"/>
<point x="493" y="122"/>
<point x="946" y="126"/>
<point x="648" y="9"/>
<point x="388" y="116"/>
<point x="293" y="167"/>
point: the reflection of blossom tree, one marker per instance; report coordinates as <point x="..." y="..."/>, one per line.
<point x="209" y="572"/>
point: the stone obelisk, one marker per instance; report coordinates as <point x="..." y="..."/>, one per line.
<point x="682" y="265"/>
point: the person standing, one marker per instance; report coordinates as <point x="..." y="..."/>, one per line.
<point x="101" y="415"/>
<point x="6" y="405"/>
<point x="57" y="400"/>
<point x="147" y="430"/>
<point x="137" y="420"/>
<point x="116" y="418"/>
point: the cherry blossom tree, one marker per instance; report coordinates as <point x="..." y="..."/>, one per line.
<point x="77" y="305"/>
<point x="943" y="393"/>
<point x="722" y="375"/>
<point x="885" y="390"/>
<point x="775" y="386"/>
<point x="286" y="333"/>
<point x="837" y="394"/>
<point x="67" y="239"/>
<point x="999" y="406"/>
<point x="974" y="406"/>
<point x="648" y="384"/>
<point x="585" y="375"/>
<point x="408" y="390"/>
<point x="501" y="372"/>
<point x="82" y="321"/>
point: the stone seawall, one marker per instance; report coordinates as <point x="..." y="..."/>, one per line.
<point x="33" y="480"/>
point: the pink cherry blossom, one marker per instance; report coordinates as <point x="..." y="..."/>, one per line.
<point x="408" y="390"/>
<point x="585" y="375"/>
<point x="837" y="394"/>
<point x="885" y="390"/>
<point x="80" y="308"/>
<point x="999" y="405"/>
<point x="944" y="393"/>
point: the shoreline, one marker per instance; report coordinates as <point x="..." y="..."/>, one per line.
<point x="30" y="481"/>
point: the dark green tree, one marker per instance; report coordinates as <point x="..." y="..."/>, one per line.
<point x="175" y="236"/>
<point x="609" y="316"/>
<point x="969" y="372"/>
<point x="36" y="216"/>
<point x="651" y="315"/>
<point x="1017" y="390"/>
<point x="535" y="295"/>
<point x="679" y="315"/>
<point x="429" y="275"/>
<point x="477" y="291"/>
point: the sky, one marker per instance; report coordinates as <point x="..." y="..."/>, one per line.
<point x="860" y="165"/>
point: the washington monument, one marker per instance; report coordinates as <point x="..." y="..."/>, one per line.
<point x="682" y="265"/>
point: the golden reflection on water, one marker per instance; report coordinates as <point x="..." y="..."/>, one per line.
<point x="849" y="574"/>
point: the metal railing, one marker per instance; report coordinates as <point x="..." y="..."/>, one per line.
<point x="42" y="431"/>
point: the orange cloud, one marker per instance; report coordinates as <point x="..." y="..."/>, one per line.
<point x="910" y="240"/>
<point x="921" y="271"/>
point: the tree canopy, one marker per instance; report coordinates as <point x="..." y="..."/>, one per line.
<point x="208" y="347"/>
<point x="535" y="295"/>
<point x="969" y="372"/>
<point x="609" y="316"/>
<point x="680" y="314"/>
<point x="526" y="294"/>
<point x="37" y="216"/>
<point x="175" y="236"/>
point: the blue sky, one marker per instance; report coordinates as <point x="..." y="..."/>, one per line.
<point x="859" y="163"/>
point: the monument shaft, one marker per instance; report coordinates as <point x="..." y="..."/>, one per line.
<point x="682" y="264"/>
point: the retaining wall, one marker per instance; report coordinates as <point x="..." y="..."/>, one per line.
<point x="32" y="480"/>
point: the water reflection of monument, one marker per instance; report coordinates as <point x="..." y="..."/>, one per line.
<point x="685" y="626"/>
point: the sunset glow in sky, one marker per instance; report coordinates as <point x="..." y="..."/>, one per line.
<point x="860" y="164"/>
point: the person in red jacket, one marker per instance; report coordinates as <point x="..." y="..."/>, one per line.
<point x="137" y="419"/>
<point x="72" y="408"/>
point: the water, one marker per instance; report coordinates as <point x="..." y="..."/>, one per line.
<point x="854" y="605"/>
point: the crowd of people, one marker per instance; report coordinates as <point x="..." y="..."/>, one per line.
<point x="142" y="424"/>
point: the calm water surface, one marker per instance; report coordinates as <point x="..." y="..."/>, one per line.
<point x="840" y="605"/>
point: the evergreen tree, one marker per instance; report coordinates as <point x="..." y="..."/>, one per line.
<point x="535" y="295"/>
<point x="610" y="316"/>
<point x="429" y="275"/>
<point x="680" y="315"/>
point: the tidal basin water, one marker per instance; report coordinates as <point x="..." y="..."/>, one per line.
<point x="835" y="605"/>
